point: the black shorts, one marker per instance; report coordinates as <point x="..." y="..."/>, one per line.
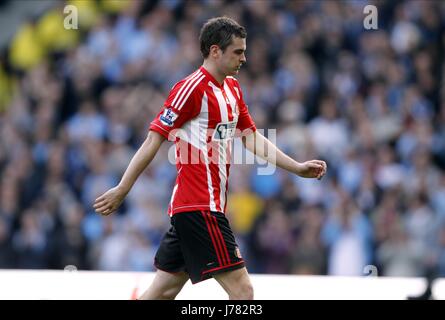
<point x="200" y="243"/>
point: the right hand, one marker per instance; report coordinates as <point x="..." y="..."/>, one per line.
<point x="108" y="203"/>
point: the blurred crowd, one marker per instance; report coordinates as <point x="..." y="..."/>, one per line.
<point x="76" y="104"/>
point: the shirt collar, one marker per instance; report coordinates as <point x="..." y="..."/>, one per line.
<point x="208" y="75"/>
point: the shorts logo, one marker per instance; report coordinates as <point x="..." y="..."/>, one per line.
<point x="238" y="253"/>
<point x="225" y="130"/>
<point x="168" y="117"/>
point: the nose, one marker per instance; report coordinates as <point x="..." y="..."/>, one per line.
<point x="243" y="58"/>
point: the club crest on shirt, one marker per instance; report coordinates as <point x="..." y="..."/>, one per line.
<point x="168" y="117"/>
<point x="238" y="253"/>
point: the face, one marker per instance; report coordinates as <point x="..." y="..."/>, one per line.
<point x="229" y="62"/>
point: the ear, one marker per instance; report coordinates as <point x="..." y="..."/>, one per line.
<point x="214" y="51"/>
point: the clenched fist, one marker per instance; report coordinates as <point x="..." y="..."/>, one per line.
<point x="312" y="169"/>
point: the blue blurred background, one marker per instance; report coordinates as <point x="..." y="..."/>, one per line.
<point x="76" y="104"/>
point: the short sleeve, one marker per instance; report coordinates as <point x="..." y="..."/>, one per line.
<point x="181" y="105"/>
<point x="245" y="121"/>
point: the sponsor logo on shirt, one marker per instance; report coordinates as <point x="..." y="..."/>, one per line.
<point x="168" y="117"/>
<point x="225" y="130"/>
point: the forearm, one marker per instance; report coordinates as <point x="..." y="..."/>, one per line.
<point x="262" y="147"/>
<point x="141" y="160"/>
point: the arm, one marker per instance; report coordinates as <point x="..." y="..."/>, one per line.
<point x="262" y="147"/>
<point x="111" y="200"/>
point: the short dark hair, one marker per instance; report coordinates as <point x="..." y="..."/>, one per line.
<point x="219" y="31"/>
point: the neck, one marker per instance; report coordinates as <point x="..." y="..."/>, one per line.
<point x="210" y="67"/>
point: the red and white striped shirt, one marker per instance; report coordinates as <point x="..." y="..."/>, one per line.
<point x="202" y="117"/>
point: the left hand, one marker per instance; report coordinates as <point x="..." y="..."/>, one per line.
<point x="312" y="169"/>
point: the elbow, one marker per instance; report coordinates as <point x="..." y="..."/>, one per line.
<point x="154" y="138"/>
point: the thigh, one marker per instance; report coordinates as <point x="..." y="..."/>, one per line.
<point x="165" y="285"/>
<point x="166" y="280"/>
<point x="234" y="280"/>
<point x="207" y="244"/>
